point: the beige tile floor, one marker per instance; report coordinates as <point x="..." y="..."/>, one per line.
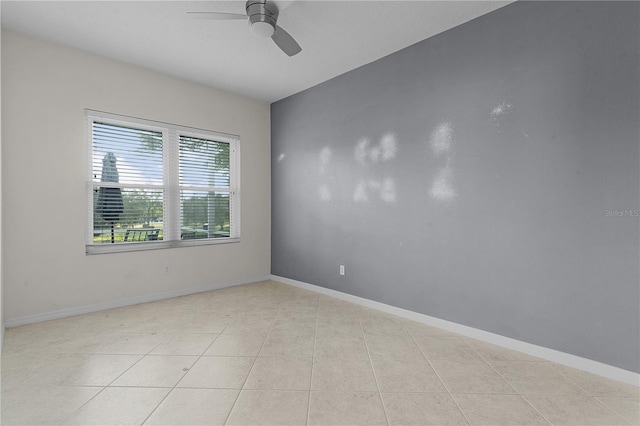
<point x="267" y="353"/>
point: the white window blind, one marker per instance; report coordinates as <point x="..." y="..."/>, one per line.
<point x="156" y="185"/>
<point x="205" y="188"/>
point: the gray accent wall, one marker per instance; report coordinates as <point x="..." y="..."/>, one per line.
<point x="487" y="176"/>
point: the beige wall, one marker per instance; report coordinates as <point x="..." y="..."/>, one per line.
<point x="45" y="89"/>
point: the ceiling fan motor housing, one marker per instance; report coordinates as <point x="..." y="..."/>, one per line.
<point x="261" y="19"/>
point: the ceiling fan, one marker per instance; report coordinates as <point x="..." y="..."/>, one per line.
<point x="262" y="19"/>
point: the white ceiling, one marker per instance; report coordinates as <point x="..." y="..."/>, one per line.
<point x="336" y="36"/>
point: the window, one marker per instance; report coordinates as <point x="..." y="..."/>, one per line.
<point x="156" y="185"/>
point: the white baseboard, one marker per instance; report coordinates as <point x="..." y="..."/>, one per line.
<point x="29" y="319"/>
<point x="553" y="355"/>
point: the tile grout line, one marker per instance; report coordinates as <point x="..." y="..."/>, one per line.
<point x="85" y="403"/>
<point x="592" y="396"/>
<point x="313" y="361"/>
<point x="509" y="383"/>
<point x="551" y="364"/>
<point x="375" y="377"/>
<point x="615" y="411"/>
<point x="576" y="384"/>
<point x="435" y="372"/>
<point x="610" y="409"/>
<point x="186" y="372"/>
<point x="275" y="317"/>
<point x="118" y="376"/>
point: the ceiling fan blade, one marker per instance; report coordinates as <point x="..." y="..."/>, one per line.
<point x="218" y="16"/>
<point x="285" y="42"/>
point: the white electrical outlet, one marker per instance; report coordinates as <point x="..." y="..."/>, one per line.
<point x="341" y="269"/>
<point x="167" y="269"/>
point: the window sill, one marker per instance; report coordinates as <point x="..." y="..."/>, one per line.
<point x="153" y="245"/>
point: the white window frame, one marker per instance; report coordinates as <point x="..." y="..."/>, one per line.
<point x="171" y="151"/>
